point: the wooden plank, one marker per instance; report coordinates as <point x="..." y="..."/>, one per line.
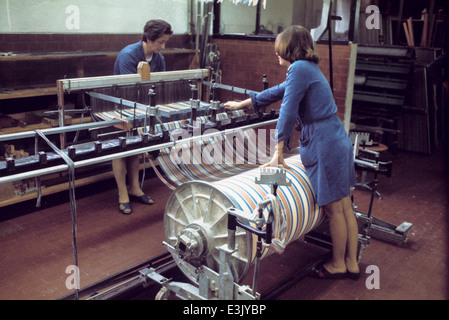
<point x="407" y="35"/>
<point x="350" y="86"/>
<point x="143" y="68"/>
<point x="388" y="68"/>
<point x="431" y="27"/>
<point x="26" y="93"/>
<point x="58" y="55"/>
<point x="425" y="30"/>
<point x="410" y="31"/>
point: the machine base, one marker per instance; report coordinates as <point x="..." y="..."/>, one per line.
<point x="386" y="231"/>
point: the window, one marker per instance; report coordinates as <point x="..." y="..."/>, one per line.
<point x="255" y="21"/>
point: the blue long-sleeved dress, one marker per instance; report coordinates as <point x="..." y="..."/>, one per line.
<point x="325" y="148"/>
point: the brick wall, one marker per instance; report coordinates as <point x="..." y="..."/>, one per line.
<point x="244" y="62"/>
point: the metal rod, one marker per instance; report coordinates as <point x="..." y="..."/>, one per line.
<point x="97" y="160"/>
<point x="112" y="99"/>
<point x="76" y="127"/>
<point x="227" y="87"/>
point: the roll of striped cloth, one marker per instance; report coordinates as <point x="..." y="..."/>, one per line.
<point x="204" y="206"/>
<point x="212" y="158"/>
<point x="299" y="210"/>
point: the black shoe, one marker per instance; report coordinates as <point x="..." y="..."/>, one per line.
<point x="320" y="272"/>
<point x="353" y="275"/>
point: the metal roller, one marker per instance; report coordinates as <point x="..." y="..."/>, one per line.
<point x="196" y="218"/>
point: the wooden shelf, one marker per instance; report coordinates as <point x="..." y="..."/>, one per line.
<point x="79" y="56"/>
<point x="27" y="93"/>
<point x="36" y="126"/>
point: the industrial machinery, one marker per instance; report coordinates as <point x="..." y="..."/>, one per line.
<point x="216" y="231"/>
<point x="223" y="217"/>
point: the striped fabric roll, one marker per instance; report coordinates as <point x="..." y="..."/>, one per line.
<point x="186" y="162"/>
<point x="299" y="210"/>
<point x="204" y="206"/>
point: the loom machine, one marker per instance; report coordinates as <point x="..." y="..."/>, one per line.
<point x="138" y="115"/>
<point x="223" y="217"/>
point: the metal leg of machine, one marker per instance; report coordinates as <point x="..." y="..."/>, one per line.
<point x="211" y="285"/>
<point x="321" y="235"/>
<point x="213" y="241"/>
<point x="378" y="228"/>
<point x="386" y="231"/>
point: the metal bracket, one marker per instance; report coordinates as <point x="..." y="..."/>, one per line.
<point x="272" y="176"/>
<point x="386" y="231"/>
<point x="211" y="285"/>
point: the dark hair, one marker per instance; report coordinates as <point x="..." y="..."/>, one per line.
<point x="295" y="43"/>
<point x="154" y="29"/>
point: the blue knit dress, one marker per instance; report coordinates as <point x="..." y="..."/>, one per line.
<point x="325" y="148"/>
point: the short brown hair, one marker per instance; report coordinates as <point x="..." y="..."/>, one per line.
<point x="154" y="29"/>
<point x="295" y="43"/>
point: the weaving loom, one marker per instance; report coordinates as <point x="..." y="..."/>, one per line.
<point x="219" y="152"/>
<point x="138" y="108"/>
<point x="224" y="214"/>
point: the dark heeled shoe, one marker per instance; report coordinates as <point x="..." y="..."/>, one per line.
<point x="353" y="275"/>
<point x="142" y="199"/>
<point x="125" y="208"/>
<point x="320" y="272"/>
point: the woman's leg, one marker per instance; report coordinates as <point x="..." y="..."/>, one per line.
<point x="339" y="234"/>
<point x="119" y="170"/>
<point x="351" y="258"/>
<point x="344" y="233"/>
<point x="132" y="165"/>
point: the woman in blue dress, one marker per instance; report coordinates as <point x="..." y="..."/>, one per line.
<point x="156" y="33"/>
<point x="325" y="148"/>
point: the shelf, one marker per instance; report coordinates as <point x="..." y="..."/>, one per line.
<point x="27" y="93"/>
<point x="48" y="89"/>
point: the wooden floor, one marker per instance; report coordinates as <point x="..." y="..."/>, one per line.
<point x="36" y="245"/>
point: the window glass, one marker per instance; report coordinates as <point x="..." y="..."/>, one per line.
<point x="278" y="14"/>
<point x="242" y="19"/>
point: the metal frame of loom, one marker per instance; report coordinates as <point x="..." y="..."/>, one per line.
<point x="212" y="284"/>
<point x="73" y="157"/>
<point x="67" y="86"/>
<point x="100" y="151"/>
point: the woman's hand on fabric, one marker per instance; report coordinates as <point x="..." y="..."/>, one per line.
<point x="276" y="161"/>
<point x="278" y="157"/>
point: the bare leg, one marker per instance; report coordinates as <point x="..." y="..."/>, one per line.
<point x="132" y="165"/>
<point x="353" y="231"/>
<point x="339" y="234"/>
<point x="119" y="170"/>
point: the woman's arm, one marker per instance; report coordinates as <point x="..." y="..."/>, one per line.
<point x="237" y="105"/>
<point x="296" y="86"/>
<point x="259" y="100"/>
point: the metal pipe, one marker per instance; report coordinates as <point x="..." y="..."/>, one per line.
<point x="76" y="127"/>
<point x="97" y="160"/>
